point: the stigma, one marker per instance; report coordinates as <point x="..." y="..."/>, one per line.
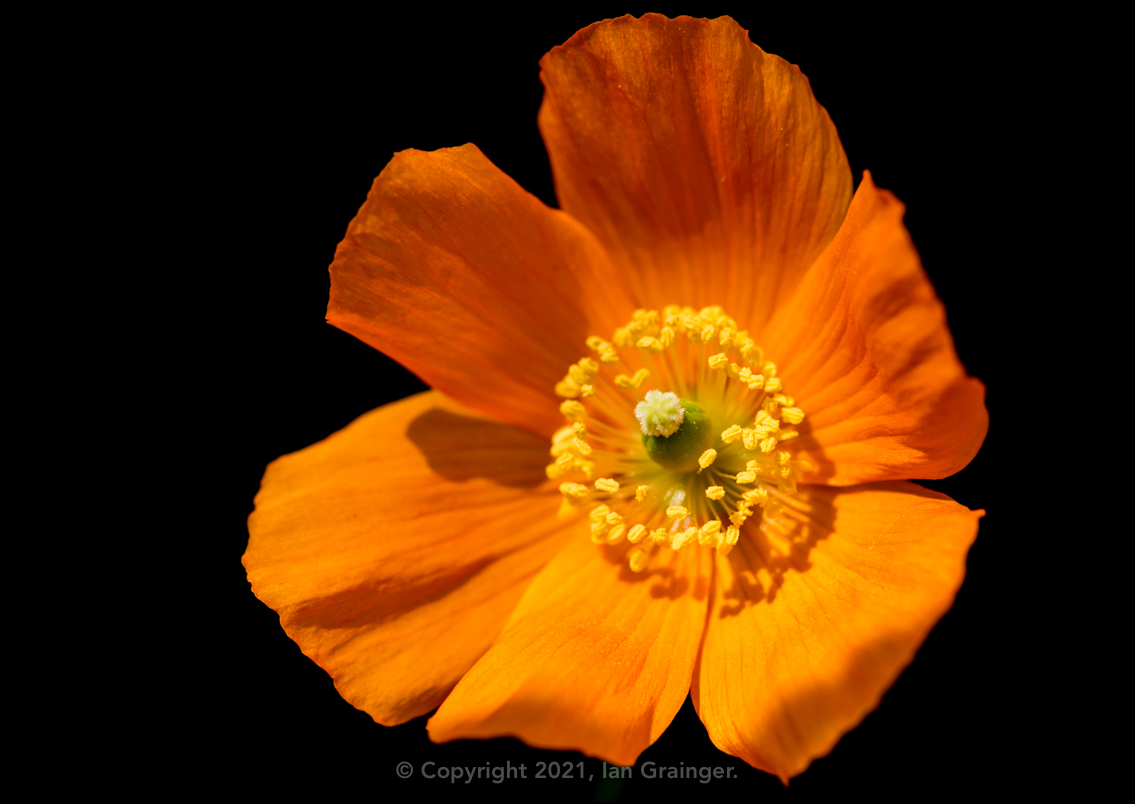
<point x="660" y="414"/>
<point x="707" y="459"/>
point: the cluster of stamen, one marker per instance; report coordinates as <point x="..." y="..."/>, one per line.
<point x="649" y="365"/>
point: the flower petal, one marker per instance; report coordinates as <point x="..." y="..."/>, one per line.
<point x="469" y="281"/>
<point x="864" y="346"/>
<point x="800" y="646"/>
<point x="704" y="165"/>
<point x="595" y="658"/>
<point x="395" y="550"/>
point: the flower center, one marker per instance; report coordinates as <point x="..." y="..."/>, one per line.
<point x="677" y="478"/>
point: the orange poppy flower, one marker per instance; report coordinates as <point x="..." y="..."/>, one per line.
<point x="673" y="424"/>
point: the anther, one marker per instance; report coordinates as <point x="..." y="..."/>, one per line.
<point x="756" y="496"/>
<point x="680" y="540"/>
<point x="792" y="415"/>
<point x="625" y="382"/>
<point x="572" y="410"/>
<point x="708" y="531"/>
<point x="731" y="434"/>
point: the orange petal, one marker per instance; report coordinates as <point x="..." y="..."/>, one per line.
<point x="801" y="643"/>
<point x="469" y="281"/>
<point x="595" y="658"/>
<point x="703" y="164"/>
<point x="863" y="345"/>
<point x="395" y="550"/>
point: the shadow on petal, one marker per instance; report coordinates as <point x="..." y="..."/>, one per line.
<point x="811" y="626"/>
<point x="790" y="528"/>
<point x="435" y="432"/>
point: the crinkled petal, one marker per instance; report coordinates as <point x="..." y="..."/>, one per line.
<point x="703" y="164"/>
<point x="807" y="631"/>
<point x="469" y="281"/>
<point x="595" y="658"/>
<point x="864" y="348"/>
<point x="395" y="550"/>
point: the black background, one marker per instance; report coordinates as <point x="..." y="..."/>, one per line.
<point x="290" y="120"/>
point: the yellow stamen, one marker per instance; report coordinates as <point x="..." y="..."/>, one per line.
<point x="684" y="538"/>
<point x="572" y="410"/>
<point x="708" y="532"/>
<point x="731" y="434"/>
<point x="755" y="497"/>
<point x="707" y="458"/>
<point x="607" y="485"/>
<point x="677" y="511"/>
<point x="792" y="415"/>
<point x="640" y="376"/>
<point x="641" y="493"/>
<point x="715" y="492"/>
<point x="567" y="388"/>
<point x="574" y="491"/>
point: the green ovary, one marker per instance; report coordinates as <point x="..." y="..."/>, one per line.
<point x="679" y="452"/>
